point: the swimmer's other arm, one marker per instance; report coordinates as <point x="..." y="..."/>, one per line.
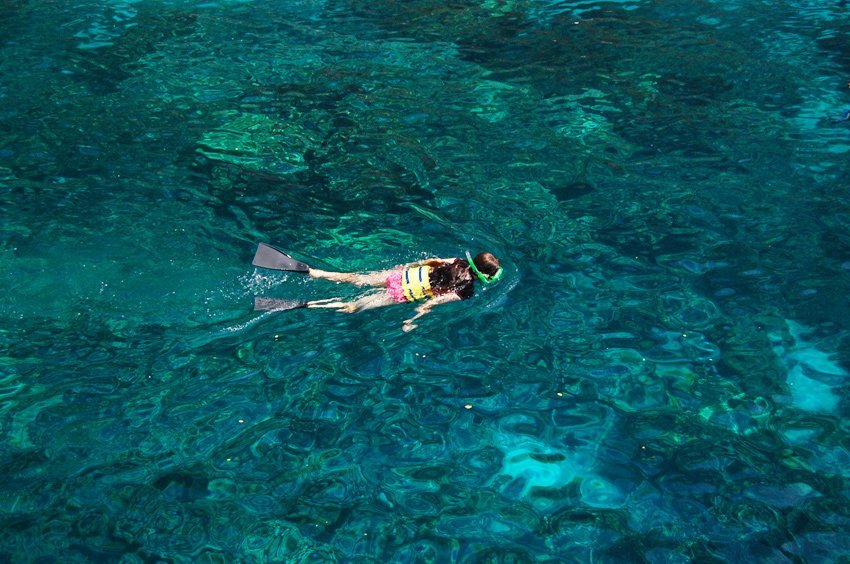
<point x="432" y="262"/>
<point x="425" y="307"/>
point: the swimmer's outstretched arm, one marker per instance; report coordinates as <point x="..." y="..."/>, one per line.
<point x="432" y="262"/>
<point x="376" y="278"/>
<point x="408" y="325"/>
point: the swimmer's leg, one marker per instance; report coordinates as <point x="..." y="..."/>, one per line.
<point x="372" y="301"/>
<point x="369" y="301"/>
<point x="376" y="278"/>
<point x="329" y="303"/>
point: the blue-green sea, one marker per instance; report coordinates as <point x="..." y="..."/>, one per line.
<point x="660" y="376"/>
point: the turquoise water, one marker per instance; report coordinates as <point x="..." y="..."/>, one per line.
<point x="660" y="376"/>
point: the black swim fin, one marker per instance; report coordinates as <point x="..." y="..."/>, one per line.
<point x="275" y="304"/>
<point x="269" y="257"/>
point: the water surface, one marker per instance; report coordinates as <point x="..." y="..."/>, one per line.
<point x="660" y="376"/>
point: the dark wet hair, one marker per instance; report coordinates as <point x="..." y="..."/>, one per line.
<point x="458" y="277"/>
<point x="450" y="277"/>
<point x="486" y="263"/>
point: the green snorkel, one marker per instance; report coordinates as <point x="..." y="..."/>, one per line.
<point x="487" y="279"/>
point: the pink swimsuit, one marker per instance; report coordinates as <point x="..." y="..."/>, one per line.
<point x="394" y="289"/>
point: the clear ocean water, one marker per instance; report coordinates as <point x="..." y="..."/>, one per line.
<point x="660" y="377"/>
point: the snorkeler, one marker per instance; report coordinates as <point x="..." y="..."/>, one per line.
<point x="432" y="281"/>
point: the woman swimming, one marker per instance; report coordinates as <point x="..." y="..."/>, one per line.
<point x="432" y="281"/>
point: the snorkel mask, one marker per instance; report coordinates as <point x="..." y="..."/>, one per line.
<point x="486" y="278"/>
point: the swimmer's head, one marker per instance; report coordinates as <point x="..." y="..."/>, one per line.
<point x="485" y="266"/>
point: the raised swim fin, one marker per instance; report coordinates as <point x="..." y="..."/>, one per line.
<point x="269" y="257"/>
<point x="275" y="304"/>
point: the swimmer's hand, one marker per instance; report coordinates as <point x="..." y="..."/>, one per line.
<point x="425" y="307"/>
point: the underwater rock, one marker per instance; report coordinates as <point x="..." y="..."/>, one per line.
<point x="118" y="38"/>
<point x="572" y="190"/>
<point x="531" y="464"/>
<point x="600" y="493"/>
<point x="259" y="143"/>
<point x="788" y="495"/>
<point x="811" y="373"/>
